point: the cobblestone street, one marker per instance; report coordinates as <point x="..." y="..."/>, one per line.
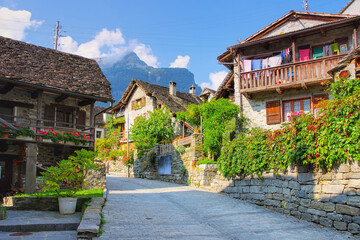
<point x="145" y="209"/>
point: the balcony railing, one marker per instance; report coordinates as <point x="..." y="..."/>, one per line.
<point x="38" y="125"/>
<point x="289" y="75"/>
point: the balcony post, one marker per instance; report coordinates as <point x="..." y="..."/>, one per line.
<point x="38" y="116"/>
<point x="355" y="36"/>
<point x="92" y="123"/>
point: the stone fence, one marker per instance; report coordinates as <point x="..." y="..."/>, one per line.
<point x="330" y="199"/>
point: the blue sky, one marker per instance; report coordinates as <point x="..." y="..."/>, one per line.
<point x="193" y="32"/>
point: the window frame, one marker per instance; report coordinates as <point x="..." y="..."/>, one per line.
<point x="292" y="106"/>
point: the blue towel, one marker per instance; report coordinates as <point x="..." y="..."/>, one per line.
<point x="256" y="64"/>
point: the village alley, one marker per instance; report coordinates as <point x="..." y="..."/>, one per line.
<point x="146" y="209"/>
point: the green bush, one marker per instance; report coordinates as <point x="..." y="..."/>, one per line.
<point x="181" y="149"/>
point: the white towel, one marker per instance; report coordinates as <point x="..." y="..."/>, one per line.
<point x="275" y="61"/>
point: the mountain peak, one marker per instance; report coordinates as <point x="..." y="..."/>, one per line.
<point x="130" y="60"/>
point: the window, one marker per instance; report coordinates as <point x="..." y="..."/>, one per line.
<point x="295" y="106"/>
<point x="138" y="103"/>
<point x="6" y="113"/>
<point x="98" y="134"/>
<point x="64" y="118"/>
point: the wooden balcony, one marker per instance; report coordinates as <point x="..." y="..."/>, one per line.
<point x="295" y="75"/>
<point x="39" y="126"/>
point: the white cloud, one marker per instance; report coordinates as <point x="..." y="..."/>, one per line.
<point x="180" y="62"/>
<point x="13" y="23"/>
<point x="216" y="79"/>
<point x="110" y="46"/>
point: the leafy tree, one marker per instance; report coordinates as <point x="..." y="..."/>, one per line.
<point x="216" y="115"/>
<point x="152" y="128"/>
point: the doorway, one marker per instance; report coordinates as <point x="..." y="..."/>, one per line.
<point x="6" y="172"/>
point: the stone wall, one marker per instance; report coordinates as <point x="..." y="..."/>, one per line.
<point x="330" y="199"/>
<point x="181" y="164"/>
<point x="96" y="179"/>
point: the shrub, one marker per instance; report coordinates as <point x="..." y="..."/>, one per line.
<point x="205" y="161"/>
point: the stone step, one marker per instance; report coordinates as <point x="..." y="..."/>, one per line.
<point x="37" y="221"/>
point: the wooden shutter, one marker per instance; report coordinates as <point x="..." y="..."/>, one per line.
<point x="318" y="98"/>
<point x="143" y="101"/>
<point x="133" y="105"/>
<point x="81" y="120"/>
<point x="49" y="114"/>
<point x="273" y="112"/>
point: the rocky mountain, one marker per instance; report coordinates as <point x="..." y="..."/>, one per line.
<point x="121" y="73"/>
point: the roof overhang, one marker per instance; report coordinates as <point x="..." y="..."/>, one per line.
<point x="18" y="82"/>
<point x="299" y="33"/>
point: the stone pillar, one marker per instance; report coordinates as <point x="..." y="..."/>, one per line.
<point x="237" y="94"/>
<point x="31" y="158"/>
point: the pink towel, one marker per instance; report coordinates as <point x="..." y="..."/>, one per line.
<point x="247" y="65"/>
<point x="304" y="54"/>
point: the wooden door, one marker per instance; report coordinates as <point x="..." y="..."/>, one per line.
<point x="6" y="172"/>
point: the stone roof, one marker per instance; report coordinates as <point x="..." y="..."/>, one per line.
<point x="175" y="104"/>
<point x="346" y="6"/>
<point x="207" y="91"/>
<point x="345" y="61"/>
<point x="223" y="83"/>
<point x="25" y="63"/>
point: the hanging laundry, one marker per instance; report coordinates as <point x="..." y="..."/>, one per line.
<point x="335" y="48"/>
<point x="256" y="64"/>
<point x="287" y="52"/>
<point x="275" y="61"/>
<point x="247" y="65"/>
<point x="318" y="52"/>
<point x="265" y="63"/>
<point x="304" y="54"/>
<point x="327" y="51"/>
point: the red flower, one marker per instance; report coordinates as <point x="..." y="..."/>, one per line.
<point x="19" y="127"/>
<point x="34" y="129"/>
<point x="84" y="135"/>
<point x="51" y="130"/>
<point x="74" y="134"/>
<point x="68" y="132"/>
<point x="322" y="83"/>
<point x="4" y="126"/>
<point x="41" y="131"/>
<point x="45" y="133"/>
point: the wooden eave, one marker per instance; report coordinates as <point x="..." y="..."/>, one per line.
<point x="299" y="33"/>
<point x="19" y="83"/>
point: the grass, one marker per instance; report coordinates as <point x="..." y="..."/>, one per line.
<point x="205" y="161"/>
<point x="81" y="193"/>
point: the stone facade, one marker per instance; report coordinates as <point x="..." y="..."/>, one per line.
<point x="96" y="179"/>
<point x="330" y="199"/>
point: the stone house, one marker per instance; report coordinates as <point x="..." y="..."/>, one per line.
<point x="352" y="7"/>
<point x="100" y="121"/>
<point x="141" y="97"/>
<point x="42" y="89"/>
<point x="348" y="67"/>
<point x="207" y="94"/>
<point x="282" y="68"/>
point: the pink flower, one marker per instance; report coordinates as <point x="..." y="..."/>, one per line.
<point x="19" y="127"/>
<point x="34" y="129"/>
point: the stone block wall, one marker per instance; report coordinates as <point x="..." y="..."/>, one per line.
<point x="96" y="179"/>
<point x="330" y="199"/>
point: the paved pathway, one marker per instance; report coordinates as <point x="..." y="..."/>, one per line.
<point x="145" y="209"/>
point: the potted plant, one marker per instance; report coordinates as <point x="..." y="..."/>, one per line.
<point x="75" y="138"/>
<point x="68" y="177"/>
<point x="2" y="213"/>
<point x="25" y="134"/>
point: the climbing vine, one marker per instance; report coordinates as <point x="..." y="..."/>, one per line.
<point x="323" y="142"/>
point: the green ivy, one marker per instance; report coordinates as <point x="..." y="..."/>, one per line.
<point x="216" y="115"/>
<point x="323" y="142"/>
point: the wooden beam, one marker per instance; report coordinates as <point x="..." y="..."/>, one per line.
<point x="7" y="88"/>
<point x="355" y="36"/>
<point x="92" y="123"/>
<point x="84" y="102"/>
<point x="293" y="50"/>
<point x="61" y="98"/>
<point x="7" y="103"/>
<point x="303" y="86"/>
<point x="323" y="32"/>
<point x="39" y="114"/>
<point x="279" y="91"/>
<point x="247" y="95"/>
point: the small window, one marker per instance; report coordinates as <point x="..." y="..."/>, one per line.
<point x="98" y="134"/>
<point x="295" y="106"/>
<point x="64" y="118"/>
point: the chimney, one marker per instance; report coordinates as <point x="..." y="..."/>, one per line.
<point x="192" y="90"/>
<point x="172" y="88"/>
